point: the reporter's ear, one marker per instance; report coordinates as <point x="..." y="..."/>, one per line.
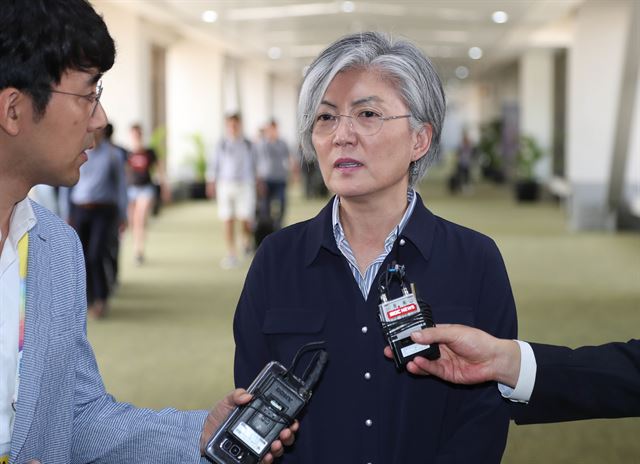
<point x="12" y="103"/>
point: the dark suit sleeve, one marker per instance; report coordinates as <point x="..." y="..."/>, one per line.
<point x="586" y="383"/>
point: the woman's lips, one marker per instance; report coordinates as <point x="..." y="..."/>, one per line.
<point x="347" y="163"/>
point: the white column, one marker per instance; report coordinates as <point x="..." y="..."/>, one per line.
<point x="127" y="95"/>
<point x="254" y="90"/>
<point x="536" y="104"/>
<point x="284" y="103"/>
<point x="595" y="65"/>
<point x="194" y="83"/>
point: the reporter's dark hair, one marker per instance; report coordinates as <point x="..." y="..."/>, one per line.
<point x="41" y="39"/>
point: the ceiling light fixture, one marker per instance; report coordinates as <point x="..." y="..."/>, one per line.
<point x="274" y="53"/>
<point x="209" y="16"/>
<point x="500" y="17"/>
<point x="475" y="53"/>
<point x="462" y="72"/>
<point x="348" y="7"/>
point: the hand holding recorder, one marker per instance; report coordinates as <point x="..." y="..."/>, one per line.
<point x="221" y="411"/>
<point x="247" y="429"/>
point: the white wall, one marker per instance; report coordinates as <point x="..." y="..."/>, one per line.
<point x="633" y="163"/>
<point x="254" y="88"/>
<point x="194" y="95"/>
<point x="498" y="89"/>
<point x="536" y="103"/>
<point x="284" y="104"/>
<point x="464" y="104"/>
<point x="595" y="64"/>
<point x="126" y="97"/>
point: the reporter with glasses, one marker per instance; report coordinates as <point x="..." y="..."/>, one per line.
<point x="371" y="110"/>
<point x="54" y="408"/>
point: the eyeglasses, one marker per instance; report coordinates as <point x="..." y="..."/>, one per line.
<point x="365" y="122"/>
<point x="93" y="97"/>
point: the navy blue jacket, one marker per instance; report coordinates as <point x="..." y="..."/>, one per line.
<point x="586" y="383"/>
<point x="300" y="289"/>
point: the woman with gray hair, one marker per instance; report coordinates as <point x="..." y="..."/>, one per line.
<point x="371" y="112"/>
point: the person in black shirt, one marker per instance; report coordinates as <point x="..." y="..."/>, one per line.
<point x="140" y="163"/>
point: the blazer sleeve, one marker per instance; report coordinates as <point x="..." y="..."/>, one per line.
<point x="584" y="383"/>
<point x="106" y="431"/>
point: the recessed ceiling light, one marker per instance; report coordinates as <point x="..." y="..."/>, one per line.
<point x="500" y="17"/>
<point x="475" y="53"/>
<point x="462" y="72"/>
<point x="209" y="16"/>
<point x="274" y="53"/>
<point x="348" y="7"/>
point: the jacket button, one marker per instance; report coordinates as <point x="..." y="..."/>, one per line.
<point x="364" y="329"/>
<point x="367" y="376"/>
<point x="368" y="422"/>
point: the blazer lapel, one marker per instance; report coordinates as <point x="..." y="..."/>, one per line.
<point x="36" y="335"/>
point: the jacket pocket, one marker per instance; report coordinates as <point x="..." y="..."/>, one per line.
<point x="292" y="321"/>
<point x="453" y="315"/>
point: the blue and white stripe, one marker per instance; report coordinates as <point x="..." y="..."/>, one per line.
<point x="365" y="281"/>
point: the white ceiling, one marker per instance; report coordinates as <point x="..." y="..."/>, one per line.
<point x="445" y="29"/>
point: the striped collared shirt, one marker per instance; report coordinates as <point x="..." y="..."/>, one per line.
<point x="364" y="281"/>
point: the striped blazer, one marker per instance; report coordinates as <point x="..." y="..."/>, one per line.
<point x="63" y="413"/>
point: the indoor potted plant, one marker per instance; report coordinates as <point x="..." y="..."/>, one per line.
<point x="529" y="153"/>
<point x="198" y="162"/>
<point x="489" y="149"/>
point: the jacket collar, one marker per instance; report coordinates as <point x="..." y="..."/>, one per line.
<point x="419" y="231"/>
<point x="37" y="322"/>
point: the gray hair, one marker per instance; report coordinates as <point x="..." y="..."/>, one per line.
<point x="402" y="61"/>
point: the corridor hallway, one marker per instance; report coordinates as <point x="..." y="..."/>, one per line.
<point x="167" y="340"/>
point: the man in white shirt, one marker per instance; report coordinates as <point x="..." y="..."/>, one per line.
<point x="545" y="383"/>
<point x="231" y="179"/>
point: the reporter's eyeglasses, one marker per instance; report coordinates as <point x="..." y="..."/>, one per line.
<point x="93" y="97"/>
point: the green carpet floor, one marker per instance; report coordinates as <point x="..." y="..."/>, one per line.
<point x="168" y="342"/>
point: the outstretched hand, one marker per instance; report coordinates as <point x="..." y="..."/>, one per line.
<point x="467" y="356"/>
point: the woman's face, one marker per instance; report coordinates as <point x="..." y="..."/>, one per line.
<point x="366" y="166"/>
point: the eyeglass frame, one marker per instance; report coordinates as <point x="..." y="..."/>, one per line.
<point x="93" y="97"/>
<point x="382" y="120"/>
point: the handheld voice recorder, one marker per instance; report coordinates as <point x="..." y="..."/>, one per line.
<point x="246" y="435"/>
<point x="403" y="315"/>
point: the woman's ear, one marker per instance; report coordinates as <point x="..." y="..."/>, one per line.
<point x="422" y="142"/>
<point x="10" y="111"/>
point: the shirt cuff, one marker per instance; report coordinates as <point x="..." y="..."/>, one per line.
<point x="526" y="376"/>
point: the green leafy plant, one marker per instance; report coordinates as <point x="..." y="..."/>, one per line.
<point x="158" y="142"/>
<point x="528" y="155"/>
<point x="198" y="158"/>
<point x="489" y="149"/>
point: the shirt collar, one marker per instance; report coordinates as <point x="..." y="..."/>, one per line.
<point x="419" y="227"/>
<point x="22" y="220"/>
<point x="338" y="231"/>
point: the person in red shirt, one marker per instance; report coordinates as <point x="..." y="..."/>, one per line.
<point x="141" y="191"/>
